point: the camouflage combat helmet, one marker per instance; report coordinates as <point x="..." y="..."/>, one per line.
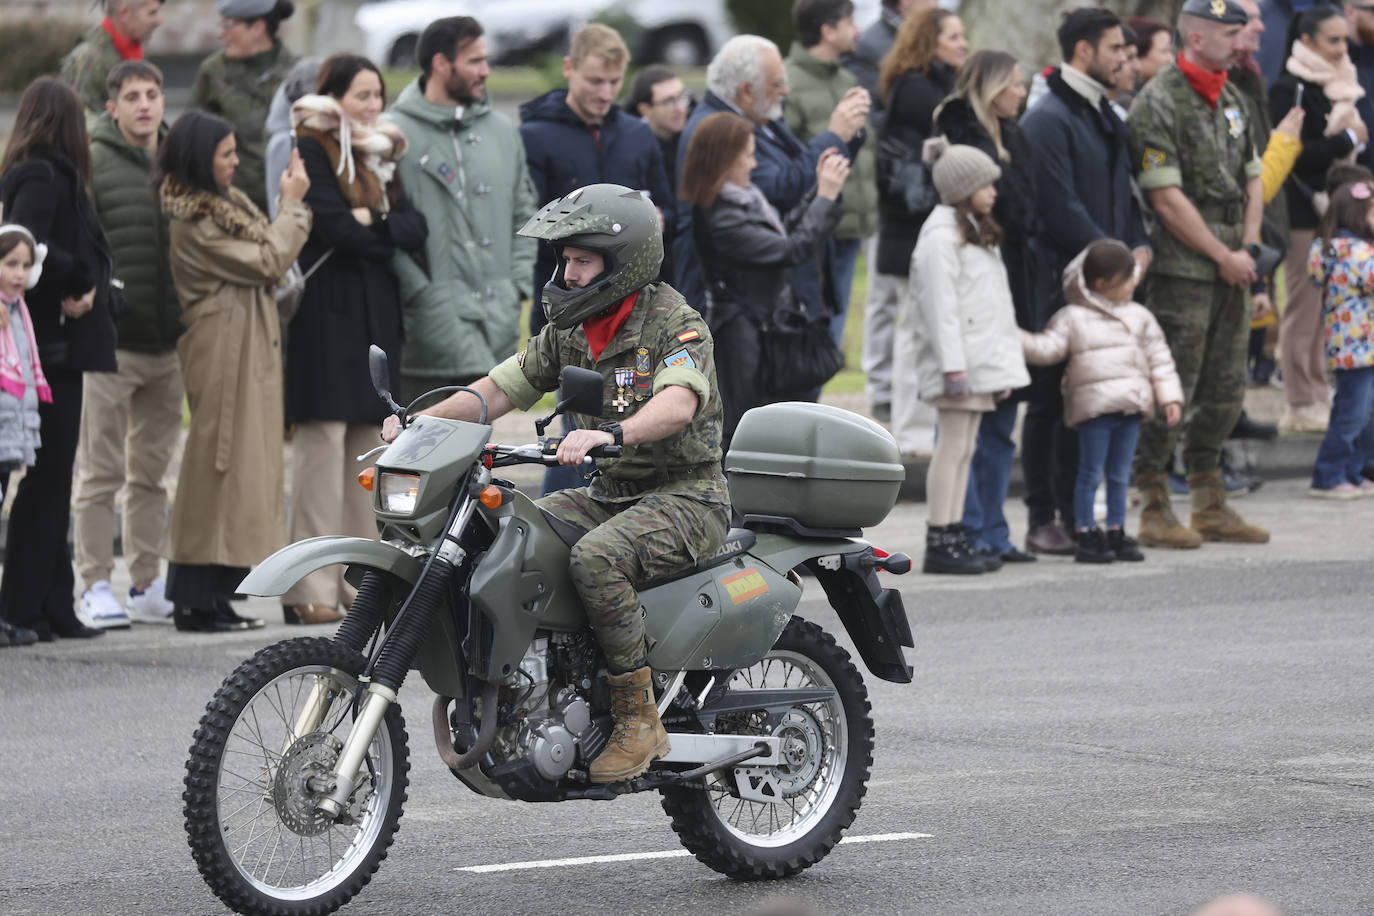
<point x="617" y="223"/>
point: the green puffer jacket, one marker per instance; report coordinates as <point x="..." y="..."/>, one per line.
<point x="240" y="92"/>
<point x="137" y="232"/>
<point x="817" y="87"/>
<point x="460" y="297"/>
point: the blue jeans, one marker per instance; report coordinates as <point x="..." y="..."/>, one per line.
<point x="988" y="477"/>
<point x="1349" y="442"/>
<point x="1106" y="444"/>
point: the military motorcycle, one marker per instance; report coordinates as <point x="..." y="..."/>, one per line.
<point x="297" y="777"/>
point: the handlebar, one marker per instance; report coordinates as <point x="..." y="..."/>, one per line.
<point x="546" y="455"/>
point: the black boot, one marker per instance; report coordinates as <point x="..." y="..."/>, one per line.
<point x="1123" y="547"/>
<point x="990" y="560"/>
<point x="1092" y="547"/>
<point x="1247" y="428"/>
<point x="947" y="552"/>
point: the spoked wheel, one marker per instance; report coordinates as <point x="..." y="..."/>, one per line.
<point x="264" y="750"/>
<point x="827" y="753"/>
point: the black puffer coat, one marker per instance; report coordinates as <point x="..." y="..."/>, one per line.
<point x="747" y="265"/>
<point x="45" y="195"/>
<point x="910" y="114"/>
<point x="1015" y="210"/>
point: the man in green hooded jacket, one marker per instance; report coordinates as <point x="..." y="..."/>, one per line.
<point x="460" y="299"/>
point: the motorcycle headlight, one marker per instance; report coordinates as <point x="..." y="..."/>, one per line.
<point x="398" y="492"/>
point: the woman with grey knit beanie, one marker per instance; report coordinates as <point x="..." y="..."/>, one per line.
<point x="958" y="326"/>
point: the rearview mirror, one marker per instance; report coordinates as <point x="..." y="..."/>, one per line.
<point x="583" y="391"/>
<point x="380" y="371"/>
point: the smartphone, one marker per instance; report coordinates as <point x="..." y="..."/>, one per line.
<point x="1297" y="101"/>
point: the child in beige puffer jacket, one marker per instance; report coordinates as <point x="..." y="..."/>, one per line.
<point x="1120" y="367"/>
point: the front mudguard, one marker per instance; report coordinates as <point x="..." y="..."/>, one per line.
<point x="283" y="569"/>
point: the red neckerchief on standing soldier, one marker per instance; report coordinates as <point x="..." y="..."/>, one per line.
<point x="602" y="328"/>
<point x="128" y="48"/>
<point x="1207" y="84"/>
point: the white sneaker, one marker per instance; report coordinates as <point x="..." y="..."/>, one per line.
<point x="100" y="608"/>
<point x="151" y="604"/>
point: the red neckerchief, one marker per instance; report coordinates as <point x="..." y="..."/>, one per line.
<point x="1207" y="83"/>
<point x="128" y="48"/>
<point x="602" y="328"/>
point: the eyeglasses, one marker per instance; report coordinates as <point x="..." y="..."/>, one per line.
<point x="681" y="100"/>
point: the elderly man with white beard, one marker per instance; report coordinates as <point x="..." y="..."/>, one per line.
<point x="747" y="77"/>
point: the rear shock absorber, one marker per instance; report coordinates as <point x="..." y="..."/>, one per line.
<point x="365" y="616"/>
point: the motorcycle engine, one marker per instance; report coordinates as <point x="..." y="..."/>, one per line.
<point x="542" y="721"/>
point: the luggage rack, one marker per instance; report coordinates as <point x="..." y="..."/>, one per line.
<point x="783" y="524"/>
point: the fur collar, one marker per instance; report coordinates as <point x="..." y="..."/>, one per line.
<point x="235" y="214"/>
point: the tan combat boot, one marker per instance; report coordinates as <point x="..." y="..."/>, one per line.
<point x="1213" y="519"/>
<point x="1159" y="527"/>
<point x="638" y="737"/>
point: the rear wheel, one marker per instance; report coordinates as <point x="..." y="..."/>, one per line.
<point x="264" y="750"/>
<point x="827" y="754"/>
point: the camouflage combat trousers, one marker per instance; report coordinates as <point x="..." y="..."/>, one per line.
<point x="1207" y="326"/>
<point x="630" y="543"/>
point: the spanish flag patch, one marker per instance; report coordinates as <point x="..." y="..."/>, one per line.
<point x="687" y="335"/>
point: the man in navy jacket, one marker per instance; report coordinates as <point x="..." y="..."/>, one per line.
<point x="747" y="77"/>
<point x="578" y="136"/>
<point x="1083" y="178"/>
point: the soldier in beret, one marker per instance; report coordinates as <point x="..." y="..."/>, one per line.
<point x="238" y="82"/>
<point x="1195" y="159"/>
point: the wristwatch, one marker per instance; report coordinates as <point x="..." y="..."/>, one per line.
<point x="615" y="430"/>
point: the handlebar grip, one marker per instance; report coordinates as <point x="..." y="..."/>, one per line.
<point x="606" y="451"/>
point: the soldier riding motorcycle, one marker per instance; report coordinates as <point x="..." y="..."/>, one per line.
<point x="603" y="641"/>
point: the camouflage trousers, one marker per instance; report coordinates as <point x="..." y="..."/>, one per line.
<point x="627" y="544"/>
<point x="1208" y="327"/>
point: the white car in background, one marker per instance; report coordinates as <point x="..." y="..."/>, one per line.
<point x="681" y="34"/>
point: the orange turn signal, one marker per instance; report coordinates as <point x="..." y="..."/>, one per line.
<point x="367" y="479"/>
<point x="491" y="497"/>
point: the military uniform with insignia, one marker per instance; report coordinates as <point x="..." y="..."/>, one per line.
<point x="240" y="91"/>
<point x="86" y="67"/>
<point x="663" y="505"/>
<point x="1179" y="140"/>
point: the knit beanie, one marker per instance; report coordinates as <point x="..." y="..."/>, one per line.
<point x="959" y="171"/>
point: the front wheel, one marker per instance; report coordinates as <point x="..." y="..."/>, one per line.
<point x="827" y="754"/>
<point x="264" y="750"/>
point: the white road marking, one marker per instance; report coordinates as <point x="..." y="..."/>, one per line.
<point x="670" y="854"/>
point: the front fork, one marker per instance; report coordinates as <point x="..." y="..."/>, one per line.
<point x="393" y="659"/>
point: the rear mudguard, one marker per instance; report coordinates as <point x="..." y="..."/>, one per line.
<point x="283" y="569"/>
<point x="874" y="617"/>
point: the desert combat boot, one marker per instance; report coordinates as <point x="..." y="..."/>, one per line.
<point x="1213" y="519"/>
<point x="1159" y="527"/>
<point x="638" y="737"/>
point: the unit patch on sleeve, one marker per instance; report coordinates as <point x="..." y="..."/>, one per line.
<point x="1154" y="159"/>
<point x="680" y="360"/>
<point x="687" y="335"/>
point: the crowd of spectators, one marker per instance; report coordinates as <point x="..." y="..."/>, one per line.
<point x="161" y="255"/>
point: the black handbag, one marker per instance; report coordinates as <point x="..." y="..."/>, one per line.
<point x="796" y="353"/>
<point x="904" y="178"/>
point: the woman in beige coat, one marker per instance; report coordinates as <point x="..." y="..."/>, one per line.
<point x="226" y="259"/>
<point x="1120" y="367"/>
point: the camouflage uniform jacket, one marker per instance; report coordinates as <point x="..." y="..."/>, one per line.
<point x="1178" y="141"/>
<point x="240" y="91"/>
<point x="88" y="64"/>
<point x="664" y="342"/>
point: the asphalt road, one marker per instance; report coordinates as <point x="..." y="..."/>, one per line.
<point x="1124" y="740"/>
